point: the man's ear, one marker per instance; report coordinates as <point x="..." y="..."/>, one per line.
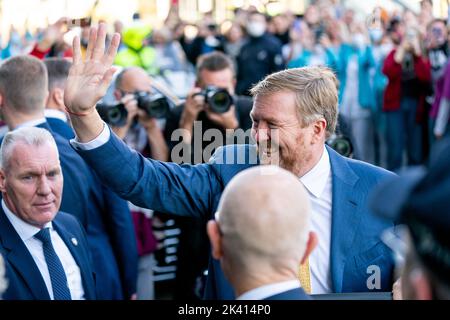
<point x="215" y="238"/>
<point x="2" y="181"/>
<point x="58" y="95"/>
<point x="420" y="285"/>
<point x="320" y="128"/>
<point x="310" y="245"/>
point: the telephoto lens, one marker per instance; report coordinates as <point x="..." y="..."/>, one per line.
<point x="155" y="105"/>
<point x="113" y="114"/>
<point x="218" y="99"/>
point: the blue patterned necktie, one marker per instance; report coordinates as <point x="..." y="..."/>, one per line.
<point x="57" y="275"/>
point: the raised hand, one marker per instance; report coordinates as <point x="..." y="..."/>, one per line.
<point x="88" y="80"/>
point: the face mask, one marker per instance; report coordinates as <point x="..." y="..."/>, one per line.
<point x="376" y="35"/>
<point x="358" y="41"/>
<point x="256" y="29"/>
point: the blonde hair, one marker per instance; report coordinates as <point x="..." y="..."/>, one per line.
<point x="315" y="89"/>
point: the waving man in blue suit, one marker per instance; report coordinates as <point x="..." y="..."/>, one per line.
<point x="294" y="112"/>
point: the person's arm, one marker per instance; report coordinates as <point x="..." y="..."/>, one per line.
<point x="391" y="68"/>
<point x="50" y="36"/>
<point x="442" y="118"/>
<point x="158" y="147"/>
<point x="165" y="187"/>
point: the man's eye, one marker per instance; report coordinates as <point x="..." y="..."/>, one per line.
<point x="52" y="174"/>
<point x="27" y="178"/>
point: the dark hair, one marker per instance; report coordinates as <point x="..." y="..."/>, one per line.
<point x="57" y="71"/>
<point x="214" y="61"/>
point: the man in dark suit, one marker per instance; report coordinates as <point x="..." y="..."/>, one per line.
<point x="262" y="264"/>
<point x="55" y="112"/>
<point x="106" y="217"/>
<point x="294" y="111"/>
<point x="45" y="250"/>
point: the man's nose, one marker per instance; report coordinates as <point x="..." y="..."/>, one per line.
<point x="262" y="134"/>
<point x="44" y="188"/>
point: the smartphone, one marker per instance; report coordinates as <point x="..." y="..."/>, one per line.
<point x="82" y="23"/>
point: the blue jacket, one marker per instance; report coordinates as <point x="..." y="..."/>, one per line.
<point x="60" y="127"/>
<point x="366" y="62"/>
<point x="304" y="59"/>
<point x="110" y="229"/>
<point x="196" y="190"/>
<point x="25" y="281"/>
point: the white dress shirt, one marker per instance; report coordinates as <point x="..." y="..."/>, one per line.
<point x="102" y="138"/>
<point x="318" y="185"/>
<point x="26" y="232"/>
<point x="269" y="290"/>
<point x="53" y="113"/>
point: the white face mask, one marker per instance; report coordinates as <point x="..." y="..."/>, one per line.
<point x="256" y="29"/>
<point x="376" y="35"/>
<point x="358" y="40"/>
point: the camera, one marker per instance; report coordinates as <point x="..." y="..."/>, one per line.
<point x="218" y="99"/>
<point x="341" y="144"/>
<point x="155" y="105"/>
<point x="113" y="114"/>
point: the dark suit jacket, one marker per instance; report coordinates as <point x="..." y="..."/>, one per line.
<point x="60" y="127"/>
<point x="110" y="229"/>
<point x="25" y="281"/>
<point x="196" y="190"/>
<point x="294" y="294"/>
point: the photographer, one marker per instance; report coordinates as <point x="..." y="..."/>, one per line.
<point x="215" y="74"/>
<point x="214" y="71"/>
<point x="408" y="75"/>
<point x="140" y="131"/>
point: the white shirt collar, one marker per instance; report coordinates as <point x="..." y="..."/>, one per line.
<point x="32" y="123"/>
<point x="316" y="179"/>
<point x="57" y="114"/>
<point x="25" y="230"/>
<point x="269" y="290"/>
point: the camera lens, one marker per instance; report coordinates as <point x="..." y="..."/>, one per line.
<point x="219" y="100"/>
<point x="155" y="105"/>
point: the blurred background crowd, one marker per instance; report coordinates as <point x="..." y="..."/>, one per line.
<point x="390" y="57"/>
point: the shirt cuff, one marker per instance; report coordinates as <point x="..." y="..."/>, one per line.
<point x="102" y="138"/>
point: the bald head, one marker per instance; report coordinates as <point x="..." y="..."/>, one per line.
<point x="264" y="216"/>
<point x="133" y="79"/>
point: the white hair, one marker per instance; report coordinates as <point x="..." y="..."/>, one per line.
<point x="31" y="136"/>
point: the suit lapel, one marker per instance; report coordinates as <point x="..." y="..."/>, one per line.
<point x="74" y="245"/>
<point x="21" y="259"/>
<point x="345" y="215"/>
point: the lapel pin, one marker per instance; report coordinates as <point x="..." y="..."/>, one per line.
<point x="74" y="241"/>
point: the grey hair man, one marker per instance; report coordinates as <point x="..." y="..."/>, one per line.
<point x="46" y="252"/>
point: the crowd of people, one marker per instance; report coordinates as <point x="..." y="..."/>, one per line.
<point x="125" y="157"/>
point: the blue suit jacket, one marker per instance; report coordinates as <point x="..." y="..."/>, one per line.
<point x="25" y="281"/>
<point x="196" y="190"/>
<point x="60" y="127"/>
<point x="294" y="294"/>
<point x="110" y="229"/>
